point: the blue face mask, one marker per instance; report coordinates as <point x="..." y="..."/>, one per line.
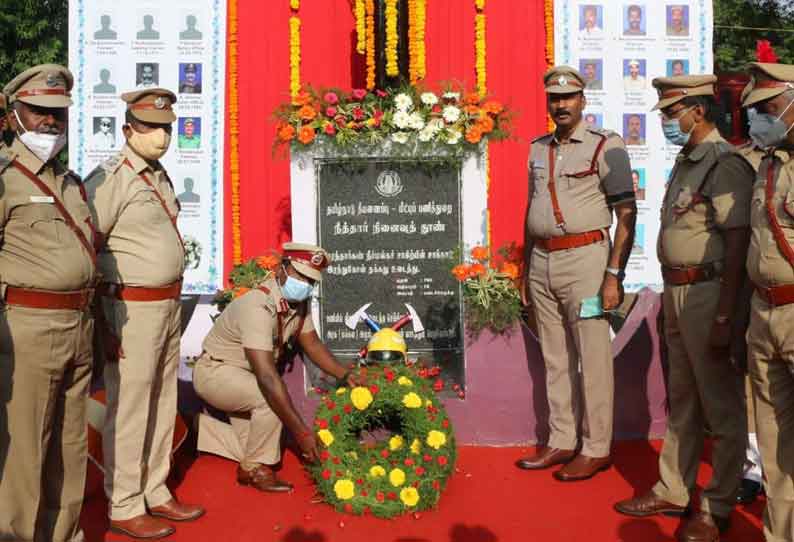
<point x="767" y="130"/>
<point x="673" y="133"/>
<point x="296" y="290"/>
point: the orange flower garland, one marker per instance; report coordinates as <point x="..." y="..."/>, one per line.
<point x="370" y="27"/>
<point x="294" y="49"/>
<point x="479" y="46"/>
<point x="392" y="69"/>
<point x="417" y="13"/>
<point x="234" y="131"/>
<point x="361" y="27"/>
<point x="548" y="15"/>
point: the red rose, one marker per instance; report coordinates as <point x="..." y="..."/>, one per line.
<point x="348" y="409"/>
<point x="409" y="462"/>
<point x="364" y="494"/>
<point x="330" y="404"/>
<point x="455" y="387"/>
<point x="392" y="496"/>
<point x="358" y="94"/>
<point x="436" y="485"/>
<point x="427" y="457"/>
<point x="336" y="418"/>
<point x="380" y="94"/>
<point x="389" y="375"/>
<point x="360" y="482"/>
<point x="379" y="496"/>
<point x="330" y="112"/>
<point x="339" y="474"/>
<point x="415" y="484"/>
<point x="436" y="109"/>
<point x="322" y="424"/>
<point x="326" y="474"/>
<point x="445" y="424"/>
<point x="336" y="460"/>
<point x="423" y="373"/>
<point x="442" y="460"/>
<point x="419" y="471"/>
<point x="378" y="114"/>
<point x="331" y="98"/>
<point x="358" y="113"/>
<point x="324" y="455"/>
<point x="366" y="508"/>
<point x="349" y="508"/>
<point x="384" y="453"/>
<point x="435" y="371"/>
<point x="374" y="389"/>
<point x="330" y="129"/>
<point x="461" y="394"/>
<point x="438" y="385"/>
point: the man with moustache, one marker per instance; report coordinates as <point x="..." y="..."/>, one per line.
<point x="592" y="82"/>
<point x="47" y="273"/>
<point x="142" y="260"/>
<point x="634" y="131"/>
<point x="635" y="21"/>
<point x="591" y="28"/>
<point x="578" y="175"/>
<point x="675" y="26"/>
<point x="634" y="81"/>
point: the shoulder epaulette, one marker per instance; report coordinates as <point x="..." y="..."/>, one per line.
<point x="113" y="163"/>
<point x="540" y="137"/>
<point x="603" y="132"/>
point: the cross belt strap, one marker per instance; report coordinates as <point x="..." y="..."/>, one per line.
<point x="48" y="299"/>
<point x="171" y="217"/>
<point x="574" y="240"/>
<point x="777" y="231"/>
<point x="67" y="217"/>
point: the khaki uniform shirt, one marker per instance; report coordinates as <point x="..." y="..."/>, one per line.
<point x="766" y="265"/>
<point x="586" y="190"/>
<point x="37" y="249"/>
<point x="251" y="321"/>
<point x="691" y="225"/>
<point x="142" y="247"/>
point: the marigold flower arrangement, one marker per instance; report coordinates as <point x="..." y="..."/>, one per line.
<point x="402" y="473"/>
<point x="410" y="117"/>
<point x="245" y="276"/>
<point x="490" y="289"/>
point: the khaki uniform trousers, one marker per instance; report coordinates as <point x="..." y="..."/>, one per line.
<point x="45" y="372"/>
<point x="702" y="391"/>
<point x="254" y="435"/>
<point x="559" y="281"/>
<point x="141" y="404"/>
<point x="770" y="341"/>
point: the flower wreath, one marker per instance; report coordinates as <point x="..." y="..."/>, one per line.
<point x="404" y="473"/>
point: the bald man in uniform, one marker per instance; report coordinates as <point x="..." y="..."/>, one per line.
<point x="702" y="246"/>
<point x="770" y="264"/>
<point x="578" y="176"/>
<point x="142" y="262"/>
<point x="47" y="269"/>
<point x="238" y="374"/>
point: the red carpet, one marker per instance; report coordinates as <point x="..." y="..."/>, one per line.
<point x="487" y="500"/>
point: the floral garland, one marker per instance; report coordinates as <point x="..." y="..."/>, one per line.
<point x="410" y="117"/>
<point x="370" y="27"/>
<point x="294" y="49"/>
<point x="548" y="17"/>
<point x="479" y="47"/>
<point x="361" y="27"/>
<point x="392" y="69"/>
<point x="417" y="13"/>
<point x="405" y="473"/>
<point x="234" y="132"/>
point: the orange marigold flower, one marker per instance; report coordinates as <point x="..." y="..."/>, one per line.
<point x="270" y="262"/>
<point x="472" y="98"/>
<point x="473" y="134"/>
<point x="242" y="290"/>
<point x="479" y="253"/>
<point x="471" y="110"/>
<point x="286" y="132"/>
<point x="461" y="272"/>
<point x="307" y="112"/>
<point x="306" y="135"/>
<point x="478" y="270"/>
<point x="510" y="269"/>
<point x="302" y="98"/>
<point x="486" y="124"/>
<point x="493" y="107"/>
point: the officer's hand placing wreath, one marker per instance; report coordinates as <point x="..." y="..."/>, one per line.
<point x="310" y="447"/>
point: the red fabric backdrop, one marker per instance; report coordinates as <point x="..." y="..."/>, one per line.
<point x="515" y="62"/>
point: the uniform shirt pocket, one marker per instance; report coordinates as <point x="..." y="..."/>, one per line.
<point x="45" y="223"/>
<point x="146" y="207"/>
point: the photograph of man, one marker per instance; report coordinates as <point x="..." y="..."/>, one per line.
<point x="638" y="180"/>
<point x="190" y="78"/>
<point x="594" y="119"/>
<point x="678" y="20"/>
<point x="148" y="33"/>
<point x="591" y="21"/>
<point x="104" y="138"/>
<point x="105" y="32"/>
<point x="638" y="249"/>
<point x="634" y="75"/>
<point x="634" y="20"/>
<point x="677" y="66"/>
<point x="591" y="69"/>
<point x="634" y="128"/>
<point x="188" y="196"/>
<point x="189" y="133"/>
<point x="190" y="33"/>
<point x="147" y="75"/>
<point x="104" y="86"/>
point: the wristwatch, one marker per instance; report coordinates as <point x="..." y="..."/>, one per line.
<point x="619" y="273"/>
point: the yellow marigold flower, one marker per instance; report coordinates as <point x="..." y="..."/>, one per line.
<point x="376" y="471"/>
<point x="416" y="446"/>
<point x="341" y="391"/>
<point x="326" y="437"/>
<point x="436" y="439"/>
<point x="409" y="496"/>
<point x="395" y="443"/>
<point x="361" y="397"/>
<point x="344" y="489"/>
<point x="397" y="477"/>
<point x="404" y="381"/>
<point x="411" y="400"/>
<point x="428" y="403"/>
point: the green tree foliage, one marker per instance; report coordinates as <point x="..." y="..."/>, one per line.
<point x="738" y="24"/>
<point x="32" y="32"/>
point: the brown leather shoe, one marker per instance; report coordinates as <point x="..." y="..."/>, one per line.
<point x="703" y="527"/>
<point x="544" y="458"/>
<point x="177" y="511"/>
<point x="143" y="526"/>
<point x="262" y="478"/>
<point x="582" y="468"/>
<point x="648" y="505"/>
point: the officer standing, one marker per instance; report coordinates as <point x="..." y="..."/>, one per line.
<point x="702" y="246"/>
<point x="142" y="261"/>
<point x="47" y="267"/>
<point x="770" y="264"/>
<point x="238" y="371"/>
<point x="578" y="175"/>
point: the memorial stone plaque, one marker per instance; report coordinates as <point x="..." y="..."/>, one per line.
<point x="392" y="228"/>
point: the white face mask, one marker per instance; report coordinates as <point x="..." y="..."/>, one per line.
<point x="44" y="146"/>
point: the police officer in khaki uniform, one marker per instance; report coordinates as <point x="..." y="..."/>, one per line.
<point x="701" y="246"/>
<point x="770" y="264"/>
<point x="578" y="175"/>
<point x="142" y="261"/>
<point x="238" y="370"/>
<point x="47" y="270"/>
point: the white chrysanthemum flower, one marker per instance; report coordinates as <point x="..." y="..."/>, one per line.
<point x="399" y="137"/>
<point x="451" y="96"/>
<point x="426" y="134"/>
<point x="451" y="114"/>
<point x="435" y="125"/>
<point x="403" y="102"/>
<point x="401" y="120"/>
<point x="416" y="122"/>
<point x="428" y="98"/>
<point x="453" y="136"/>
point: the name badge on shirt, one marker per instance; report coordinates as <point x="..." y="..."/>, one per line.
<point x="42" y="199"/>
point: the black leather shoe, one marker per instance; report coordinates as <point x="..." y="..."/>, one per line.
<point x="748" y="491"/>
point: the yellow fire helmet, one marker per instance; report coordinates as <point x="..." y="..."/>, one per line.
<point x="386" y="345"/>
